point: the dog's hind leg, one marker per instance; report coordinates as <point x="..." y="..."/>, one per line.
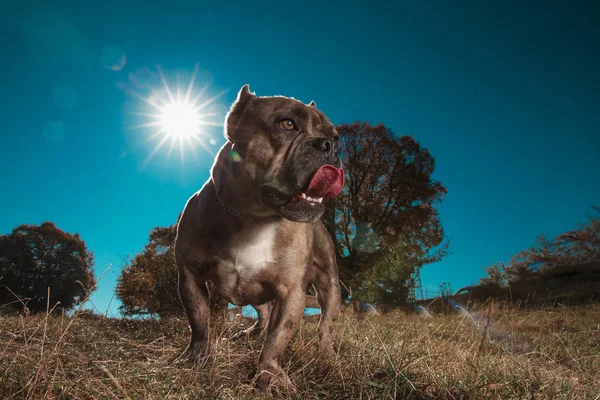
<point x="327" y="282"/>
<point x="194" y="297"/>
<point x="329" y="298"/>
<point x="260" y="326"/>
<point x="264" y="312"/>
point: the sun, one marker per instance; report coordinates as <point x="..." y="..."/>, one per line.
<point x="178" y="119"/>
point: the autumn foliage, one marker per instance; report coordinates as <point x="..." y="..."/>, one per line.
<point x="575" y="251"/>
<point x="148" y="282"/>
<point x="563" y="269"/>
<point x="385" y="223"/>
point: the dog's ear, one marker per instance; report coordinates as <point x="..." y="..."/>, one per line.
<point x="313" y="104"/>
<point x="243" y="97"/>
<point x="233" y="118"/>
<point x="244" y="93"/>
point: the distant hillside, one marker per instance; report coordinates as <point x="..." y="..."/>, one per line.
<point x="568" y="283"/>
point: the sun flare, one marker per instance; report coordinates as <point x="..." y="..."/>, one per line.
<point x="179" y="119"/>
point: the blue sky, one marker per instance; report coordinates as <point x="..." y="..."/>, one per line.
<point x="504" y="95"/>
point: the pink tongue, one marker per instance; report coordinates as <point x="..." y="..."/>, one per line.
<point x="326" y="182"/>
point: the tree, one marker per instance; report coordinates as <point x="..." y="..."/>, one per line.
<point x="392" y="276"/>
<point x="148" y="284"/>
<point x="496" y="275"/>
<point x="34" y="258"/>
<point x="577" y="247"/>
<point x="389" y="281"/>
<point x="384" y="223"/>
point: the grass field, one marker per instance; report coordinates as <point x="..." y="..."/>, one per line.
<point x="489" y="353"/>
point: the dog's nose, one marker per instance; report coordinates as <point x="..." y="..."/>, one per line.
<point x="327" y="146"/>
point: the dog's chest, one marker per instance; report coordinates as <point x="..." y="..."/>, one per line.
<point x="246" y="259"/>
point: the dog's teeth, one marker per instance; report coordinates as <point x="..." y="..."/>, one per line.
<point x="314" y="200"/>
<point x="311" y="199"/>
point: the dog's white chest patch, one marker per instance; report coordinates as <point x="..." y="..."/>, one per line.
<point x="250" y="252"/>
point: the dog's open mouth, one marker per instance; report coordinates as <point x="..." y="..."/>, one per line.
<point x="327" y="182"/>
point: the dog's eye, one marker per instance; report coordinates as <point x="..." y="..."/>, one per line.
<point x="287" y="124"/>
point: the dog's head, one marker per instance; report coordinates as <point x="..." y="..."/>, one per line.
<point x="288" y="153"/>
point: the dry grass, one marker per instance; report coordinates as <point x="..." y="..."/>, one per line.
<point x="495" y="354"/>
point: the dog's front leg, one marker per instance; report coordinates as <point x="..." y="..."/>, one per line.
<point x="194" y="297"/>
<point x="284" y="320"/>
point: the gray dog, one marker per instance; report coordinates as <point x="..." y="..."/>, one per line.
<point x="254" y="229"/>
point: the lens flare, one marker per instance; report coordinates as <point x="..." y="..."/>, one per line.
<point x="179" y="119"/>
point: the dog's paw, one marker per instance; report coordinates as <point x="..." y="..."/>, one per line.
<point x="326" y="350"/>
<point x="276" y="382"/>
<point x="193" y="353"/>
